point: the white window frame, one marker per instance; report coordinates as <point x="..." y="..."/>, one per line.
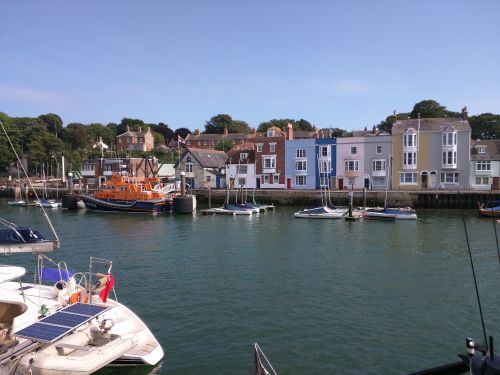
<point x="450" y="158"/>
<point x="272" y="147"/>
<point x="325" y="166"/>
<point x="445" y="178"/>
<point x="409" y="159"/>
<point x="483" y="165"/>
<point x="410" y="139"/>
<point x="378" y="150"/>
<point x="242" y="181"/>
<point x="265" y="178"/>
<point x="408" y="178"/>
<point x="482" y="180"/>
<point x="301" y="180"/>
<point x="272" y="162"/>
<point x="258" y="147"/>
<point x="276" y="179"/>
<point x="378" y="165"/>
<point x="242" y="169"/>
<point x="323" y="181"/>
<point x="481" y="150"/>
<point x="351" y="165"/>
<point x="301" y="165"/>
<point x="244" y="156"/>
<point x="300" y="153"/>
<point x="324" y="151"/>
<point x="189" y="168"/>
<point x="449" y="138"/>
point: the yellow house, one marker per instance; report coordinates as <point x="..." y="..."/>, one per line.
<point x="431" y="153"/>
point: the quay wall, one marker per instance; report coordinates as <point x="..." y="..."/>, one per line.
<point x="416" y="199"/>
<point x="310" y="198"/>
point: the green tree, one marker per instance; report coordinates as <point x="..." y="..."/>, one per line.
<point x="386" y="125"/>
<point x="53" y="122"/>
<point x="303" y="125"/>
<point x="183" y="132"/>
<point x="217" y="124"/>
<point x="280" y="123"/>
<point x="164" y="130"/>
<point x="132" y="124"/>
<point x="76" y="136"/>
<point x="485" y="126"/>
<point x="430" y="109"/>
<point x="224" y="145"/>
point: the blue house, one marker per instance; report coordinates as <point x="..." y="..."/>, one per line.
<point x="300" y="163"/>
<point x="326" y="159"/>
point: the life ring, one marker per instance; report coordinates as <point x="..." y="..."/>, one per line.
<point x="80" y="296"/>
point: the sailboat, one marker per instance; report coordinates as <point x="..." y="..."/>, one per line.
<point x="18" y="199"/>
<point x="64" y="322"/>
<point x="327" y="210"/>
<point x="389" y="214"/>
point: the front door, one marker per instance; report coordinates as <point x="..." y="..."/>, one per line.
<point x="288" y="183"/>
<point x="367" y="183"/>
<point x="424" y="181"/>
<point x="341" y="184"/>
<point x="217" y="182"/>
<point x="494" y="186"/>
<point x="257" y="182"/>
<point x="433" y="180"/>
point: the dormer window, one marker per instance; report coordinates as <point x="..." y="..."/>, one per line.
<point x="410" y="138"/>
<point x="481" y="150"/>
<point x="270" y="133"/>
<point x="243" y="156"/>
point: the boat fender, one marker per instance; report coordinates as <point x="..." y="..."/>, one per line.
<point x="63" y="297"/>
<point x="79" y="296"/>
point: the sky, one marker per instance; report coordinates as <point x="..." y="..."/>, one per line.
<point x="345" y="64"/>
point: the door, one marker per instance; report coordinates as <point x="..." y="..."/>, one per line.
<point x="288" y="183"/>
<point x="494" y="186"/>
<point x="341" y="184"/>
<point x="424" y="180"/>
<point x="367" y="183"/>
<point x="257" y="182"/>
<point x="217" y="182"/>
<point x="433" y="180"/>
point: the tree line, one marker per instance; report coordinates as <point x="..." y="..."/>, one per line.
<point x="44" y="139"/>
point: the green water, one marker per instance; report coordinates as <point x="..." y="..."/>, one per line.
<point x="319" y="296"/>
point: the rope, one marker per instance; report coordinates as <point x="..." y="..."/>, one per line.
<point x="474" y="277"/>
<point x="30" y="184"/>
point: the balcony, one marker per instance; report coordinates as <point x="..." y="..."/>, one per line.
<point x="88" y="173"/>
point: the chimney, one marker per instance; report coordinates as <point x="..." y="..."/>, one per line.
<point x="289" y="131"/>
<point x="465" y="113"/>
<point x="197" y="132"/>
<point x="140" y="130"/>
<point x="225" y="131"/>
<point x="99" y="139"/>
<point x="128" y="128"/>
<point x="254" y="131"/>
<point x="374" y="130"/>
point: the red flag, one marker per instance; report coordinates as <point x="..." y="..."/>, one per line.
<point x="109" y="285"/>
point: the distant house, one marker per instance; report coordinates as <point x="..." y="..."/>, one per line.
<point x="326" y="159"/>
<point x="301" y="165"/>
<point x="377" y="154"/>
<point x="210" y="141"/>
<point x="203" y="168"/>
<point x="270" y="159"/>
<point x="240" y="167"/>
<point x="485" y="165"/>
<point x="135" y="141"/>
<point x="431" y="153"/>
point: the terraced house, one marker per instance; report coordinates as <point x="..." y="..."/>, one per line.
<point x="431" y="153"/>
<point x="485" y="165"/>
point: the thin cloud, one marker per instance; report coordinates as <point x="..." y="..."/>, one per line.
<point x="30" y="95"/>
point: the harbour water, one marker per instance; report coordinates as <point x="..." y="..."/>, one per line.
<point x="319" y="296"/>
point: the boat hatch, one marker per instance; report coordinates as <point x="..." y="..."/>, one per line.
<point x="59" y="324"/>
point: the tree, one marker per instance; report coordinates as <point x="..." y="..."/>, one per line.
<point x="76" y="136"/>
<point x="217" y="124"/>
<point x="386" y="125"/>
<point x="224" y="145"/>
<point x="53" y="123"/>
<point x="240" y="126"/>
<point x="132" y="124"/>
<point x="303" y="125"/>
<point x="164" y="130"/>
<point x="485" y="126"/>
<point x="430" y="109"/>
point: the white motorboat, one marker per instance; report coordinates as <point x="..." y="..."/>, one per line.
<point x="48" y="203"/>
<point x="324" y="212"/>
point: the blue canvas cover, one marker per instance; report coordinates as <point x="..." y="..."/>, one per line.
<point x="20" y="235"/>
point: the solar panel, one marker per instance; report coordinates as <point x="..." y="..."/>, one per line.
<point x="61" y="323"/>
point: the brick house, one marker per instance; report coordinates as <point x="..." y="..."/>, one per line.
<point x="270" y="159"/>
<point x="135" y="141"/>
<point x="210" y="141"/>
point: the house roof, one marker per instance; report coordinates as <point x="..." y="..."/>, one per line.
<point x="234" y="156"/>
<point x="209" y="158"/>
<point x="220" y="137"/>
<point x="492" y="150"/>
<point x="431" y="124"/>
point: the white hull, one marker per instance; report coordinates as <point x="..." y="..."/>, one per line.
<point x="322" y="213"/>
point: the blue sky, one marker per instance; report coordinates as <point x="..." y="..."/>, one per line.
<point x="347" y="64"/>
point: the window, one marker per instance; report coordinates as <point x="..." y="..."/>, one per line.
<point x="300" y="153"/>
<point x="410" y="140"/>
<point x="108" y="167"/>
<point x="301" y="165"/>
<point x="244" y="156"/>
<point x="324" y="151"/>
<point x="128" y="140"/>
<point x="450" y="139"/>
<point x="379" y="149"/>
<point x="270" y="133"/>
<point x="351" y="165"/>
<point x="208" y="178"/>
<point x="407" y="178"/>
<point x="353" y="150"/>
<point x="409" y="159"/>
<point x="204" y="143"/>
<point x="272" y="147"/>
<point x="266" y="178"/>
<point x="88" y="167"/>
<point x="483" y="166"/>
<point x="199" y="143"/>
<point x="325" y="166"/>
<point x="323" y="180"/>
<point x="241" y="169"/>
<point x="449" y="157"/>
<point x="352" y="181"/>
<point x="378" y="181"/>
<point x="242" y="181"/>
<point x="189" y="167"/>
<point x="269" y="162"/>
<point x="449" y="177"/>
<point x="378" y="165"/>
<point x="276" y="179"/>
<point x="482" y="181"/>
<point x="259" y="147"/>
<point x="300" y="180"/>
<point x="481" y="149"/>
